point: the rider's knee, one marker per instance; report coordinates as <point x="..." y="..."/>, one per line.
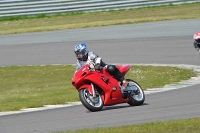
<point x="111" y="69"/>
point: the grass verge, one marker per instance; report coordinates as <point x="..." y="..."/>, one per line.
<point x="11" y="25"/>
<point x="173" y="126"/>
<point x="35" y="86"/>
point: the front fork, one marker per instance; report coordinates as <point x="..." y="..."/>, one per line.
<point x="93" y="91"/>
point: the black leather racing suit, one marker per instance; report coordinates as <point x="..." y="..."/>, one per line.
<point x="196" y="45"/>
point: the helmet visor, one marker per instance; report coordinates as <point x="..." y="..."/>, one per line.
<point x="79" y="54"/>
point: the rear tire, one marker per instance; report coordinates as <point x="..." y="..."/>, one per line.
<point x="137" y="97"/>
<point x="91" y="103"/>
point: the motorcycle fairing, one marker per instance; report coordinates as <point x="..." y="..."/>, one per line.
<point x="124" y="68"/>
<point x="111" y="90"/>
<point x="88" y="86"/>
<point x="110" y="96"/>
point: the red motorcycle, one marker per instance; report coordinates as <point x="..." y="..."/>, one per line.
<point x="98" y="88"/>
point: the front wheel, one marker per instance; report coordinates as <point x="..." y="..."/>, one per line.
<point x="90" y="102"/>
<point x="136" y="96"/>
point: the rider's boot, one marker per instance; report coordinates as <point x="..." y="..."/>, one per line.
<point x="124" y="84"/>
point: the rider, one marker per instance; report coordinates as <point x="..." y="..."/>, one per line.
<point x="84" y="56"/>
<point x="197" y="41"/>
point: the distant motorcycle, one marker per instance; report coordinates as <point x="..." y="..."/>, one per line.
<point x="98" y="88"/>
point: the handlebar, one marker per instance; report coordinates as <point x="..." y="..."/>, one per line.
<point x="91" y="66"/>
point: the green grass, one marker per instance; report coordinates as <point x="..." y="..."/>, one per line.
<point x="35" y="86"/>
<point x="42" y="22"/>
<point x="173" y="126"/>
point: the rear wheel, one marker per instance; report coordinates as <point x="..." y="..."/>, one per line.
<point x="90" y="102"/>
<point x="136" y="96"/>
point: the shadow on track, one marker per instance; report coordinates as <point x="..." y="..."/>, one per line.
<point x="106" y="108"/>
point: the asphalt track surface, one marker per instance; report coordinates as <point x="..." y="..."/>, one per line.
<point x="168" y="42"/>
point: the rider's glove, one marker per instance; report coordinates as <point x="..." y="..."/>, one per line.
<point x="97" y="66"/>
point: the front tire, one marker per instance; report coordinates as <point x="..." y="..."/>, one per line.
<point x="136" y="97"/>
<point x="91" y="103"/>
